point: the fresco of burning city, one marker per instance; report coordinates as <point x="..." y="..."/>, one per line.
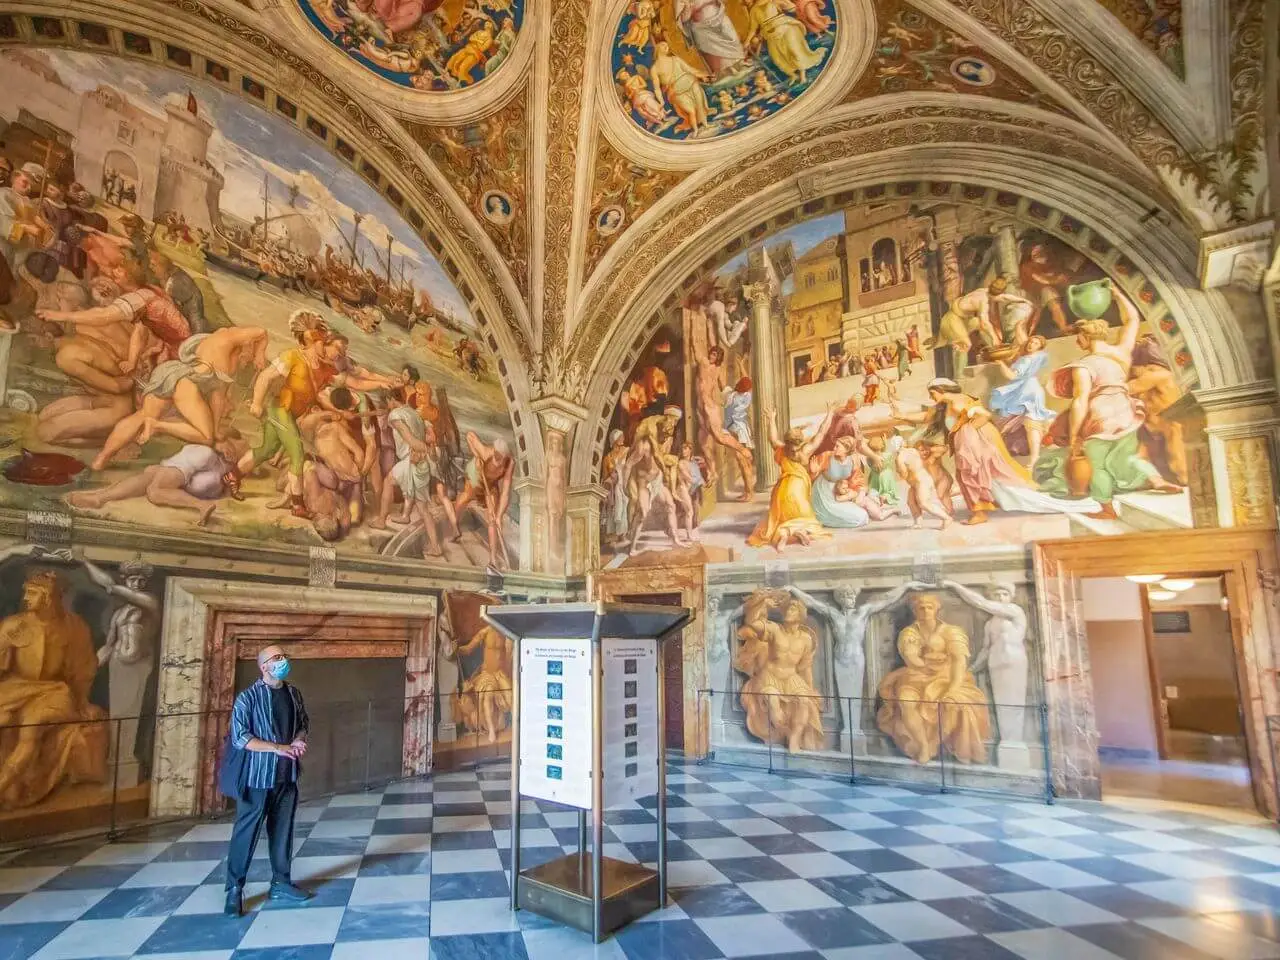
<point x="856" y="384"/>
<point x="208" y="324"/>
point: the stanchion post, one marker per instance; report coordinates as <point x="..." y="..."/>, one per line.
<point x="597" y="783"/>
<point x="853" y="771"/>
<point x="1044" y="750"/>
<point x="115" y="785"/>
<point x="515" y="779"/>
<point x="662" y="771"/>
<point x="942" y="753"/>
<point x="368" y="741"/>
<point x="768" y="715"/>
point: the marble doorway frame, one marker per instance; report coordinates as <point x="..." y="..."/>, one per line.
<point x="187" y="660"/>
<point x="690" y="583"/>
<point x="1248" y="563"/>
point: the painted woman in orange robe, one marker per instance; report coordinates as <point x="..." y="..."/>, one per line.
<point x="791" y="517"/>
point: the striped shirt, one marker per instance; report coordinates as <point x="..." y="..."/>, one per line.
<point x="251" y="717"/>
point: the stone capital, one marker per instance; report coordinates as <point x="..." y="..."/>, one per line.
<point x="558" y="413"/>
<point x="1238" y="256"/>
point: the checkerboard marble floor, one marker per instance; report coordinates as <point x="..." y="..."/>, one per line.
<point x="760" y="865"/>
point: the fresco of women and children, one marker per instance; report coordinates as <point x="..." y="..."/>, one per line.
<point x="209" y="324"/>
<point x="997" y="389"/>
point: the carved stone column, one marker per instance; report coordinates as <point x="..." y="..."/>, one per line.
<point x="559" y="417"/>
<point x="769" y="377"/>
<point x="1232" y="437"/>
<point x="584" y="529"/>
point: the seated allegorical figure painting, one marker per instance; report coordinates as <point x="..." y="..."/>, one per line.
<point x="932" y="701"/>
<point x="779" y="697"/>
<point x="47" y="666"/>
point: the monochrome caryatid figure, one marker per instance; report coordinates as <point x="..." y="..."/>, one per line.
<point x="129" y="652"/>
<point x="848" y="623"/>
<point x="1004" y="654"/>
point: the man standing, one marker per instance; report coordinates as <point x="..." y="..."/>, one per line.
<point x="270" y="722"/>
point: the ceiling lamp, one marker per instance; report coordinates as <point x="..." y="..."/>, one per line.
<point x="1177" y="586"/>
<point x="1161" y="595"/>
<point x="1145" y="577"/>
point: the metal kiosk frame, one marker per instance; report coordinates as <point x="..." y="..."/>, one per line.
<point x="591" y="892"/>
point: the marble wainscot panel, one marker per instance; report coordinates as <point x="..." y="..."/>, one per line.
<point x="843" y="628"/>
<point x="190" y="669"/>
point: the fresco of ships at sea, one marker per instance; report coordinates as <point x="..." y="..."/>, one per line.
<point x="209" y="324"/>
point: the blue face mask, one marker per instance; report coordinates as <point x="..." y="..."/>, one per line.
<point x="279" y="669"/>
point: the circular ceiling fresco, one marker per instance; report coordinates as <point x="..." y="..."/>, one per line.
<point x="436" y="45"/>
<point x="696" y="69"/>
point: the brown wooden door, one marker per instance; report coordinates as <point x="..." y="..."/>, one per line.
<point x="673" y="670"/>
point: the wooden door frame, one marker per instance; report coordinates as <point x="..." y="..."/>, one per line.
<point x="690" y="583"/>
<point x="1159" y="704"/>
<point x="1247" y="561"/>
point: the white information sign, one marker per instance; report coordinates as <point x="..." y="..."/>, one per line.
<point x="555" y="721"/>
<point x="630" y="720"/>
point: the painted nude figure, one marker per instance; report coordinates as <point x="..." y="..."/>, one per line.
<point x="779" y="697"/>
<point x="485" y="698"/>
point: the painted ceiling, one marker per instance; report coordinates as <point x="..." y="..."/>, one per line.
<point x="569" y="163"/>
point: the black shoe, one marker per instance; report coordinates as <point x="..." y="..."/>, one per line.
<point x="235" y="904"/>
<point x="283" y="890"/>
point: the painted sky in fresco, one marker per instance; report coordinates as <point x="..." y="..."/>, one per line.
<point x="249" y="144"/>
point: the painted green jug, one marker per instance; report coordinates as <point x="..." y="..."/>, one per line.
<point x="1089" y="301"/>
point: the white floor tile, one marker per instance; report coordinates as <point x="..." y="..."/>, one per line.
<point x="399" y="843"/>
<point x="51" y="906"/>
<point x="782" y="896"/>
<point x="927" y="885"/>
<point x="911" y="921"/>
<point x="564" y="943"/>
<point x="810" y="865"/>
<point x="1056" y="907"/>
<point x="114" y="854"/>
<point x="287" y="928"/>
<point x="1214" y="939"/>
<point x="484" y="915"/>
<point x="407" y="949"/>
<point x="371" y="890"/>
<point x="26" y="879"/>
<point x="752" y="935"/>
<point x="90" y="938"/>
<point x="1056" y="876"/>
<point x="1050" y="943"/>
<point x="333" y="829"/>
<point x="465" y="861"/>
<point x="407" y="811"/>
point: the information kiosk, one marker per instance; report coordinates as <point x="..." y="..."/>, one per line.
<point x="587" y="722"/>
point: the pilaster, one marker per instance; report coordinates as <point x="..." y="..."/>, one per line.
<point x="1233" y="439"/>
<point x="559" y="418"/>
<point x="584" y="528"/>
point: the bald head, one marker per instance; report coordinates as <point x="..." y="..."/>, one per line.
<point x="267" y="657"/>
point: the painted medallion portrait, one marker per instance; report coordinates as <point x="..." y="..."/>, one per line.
<point x="436" y="45"/>
<point x="695" y="69"/>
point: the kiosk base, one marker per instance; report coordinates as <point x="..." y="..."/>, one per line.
<point x="561" y="890"/>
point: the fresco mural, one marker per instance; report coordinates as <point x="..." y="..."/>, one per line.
<point x="853" y="383"/>
<point x="1157" y="23"/>
<point x="206" y="325"/>
<point x="423" y="44"/>
<point x="926" y="668"/>
<point x="475" y="679"/>
<point x="694" y="69"/>
<point x="78" y="654"/>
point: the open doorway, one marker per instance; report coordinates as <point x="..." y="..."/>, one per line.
<point x="1166" y="694"/>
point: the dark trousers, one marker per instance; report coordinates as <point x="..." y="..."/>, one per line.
<point x="276" y="807"/>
